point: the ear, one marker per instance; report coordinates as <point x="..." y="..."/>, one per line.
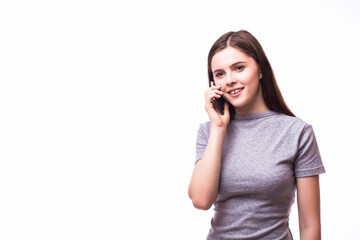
<point x="260" y="75"/>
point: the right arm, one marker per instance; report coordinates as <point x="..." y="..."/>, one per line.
<point x="204" y="184"/>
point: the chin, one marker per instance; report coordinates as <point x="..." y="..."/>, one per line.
<point x="237" y="104"/>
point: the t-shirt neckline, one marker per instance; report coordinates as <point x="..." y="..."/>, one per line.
<point x="254" y="115"/>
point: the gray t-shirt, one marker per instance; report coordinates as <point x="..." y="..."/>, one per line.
<point x="263" y="154"/>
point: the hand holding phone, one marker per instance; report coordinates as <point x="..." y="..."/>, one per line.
<point x="216" y="106"/>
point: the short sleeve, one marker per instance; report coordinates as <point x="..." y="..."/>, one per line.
<point x="308" y="161"/>
<point x="201" y="141"/>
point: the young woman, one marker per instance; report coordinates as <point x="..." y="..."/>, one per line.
<point x="253" y="153"/>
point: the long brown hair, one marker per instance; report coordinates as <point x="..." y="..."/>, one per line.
<point x="247" y="43"/>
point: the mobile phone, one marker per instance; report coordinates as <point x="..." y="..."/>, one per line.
<point x="219" y="104"/>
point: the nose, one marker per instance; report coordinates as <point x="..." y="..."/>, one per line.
<point x="230" y="79"/>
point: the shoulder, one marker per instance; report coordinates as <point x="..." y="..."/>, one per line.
<point x="294" y="125"/>
<point x="205" y="125"/>
<point x="289" y="120"/>
<point x="204" y="128"/>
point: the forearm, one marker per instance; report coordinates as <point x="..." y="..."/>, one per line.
<point x="308" y="198"/>
<point x="310" y="233"/>
<point x="203" y="188"/>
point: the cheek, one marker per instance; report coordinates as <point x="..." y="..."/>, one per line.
<point x="219" y="83"/>
<point x="251" y="79"/>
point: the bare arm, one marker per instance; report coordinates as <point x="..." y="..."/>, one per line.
<point x="204" y="184"/>
<point x="308" y="198"/>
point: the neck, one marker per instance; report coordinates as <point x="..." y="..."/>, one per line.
<point x="257" y="105"/>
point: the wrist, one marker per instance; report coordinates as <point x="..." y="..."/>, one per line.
<point x="218" y="129"/>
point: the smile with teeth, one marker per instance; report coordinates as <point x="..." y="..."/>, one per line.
<point x="236" y="91"/>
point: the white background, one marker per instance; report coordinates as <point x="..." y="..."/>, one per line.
<point x="100" y="102"/>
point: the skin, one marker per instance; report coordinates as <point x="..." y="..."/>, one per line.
<point x="308" y="199"/>
<point x="233" y="69"/>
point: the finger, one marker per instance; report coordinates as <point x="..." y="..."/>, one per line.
<point x="215" y="92"/>
<point x="226" y="109"/>
<point x="226" y="106"/>
<point x="217" y="88"/>
<point x="211" y="91"/>
<point x="212" y="96"/>
<point x="212" y="85"/>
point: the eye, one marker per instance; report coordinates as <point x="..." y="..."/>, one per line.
<point x="239" y="68"/>
<point x="219" y="75"/>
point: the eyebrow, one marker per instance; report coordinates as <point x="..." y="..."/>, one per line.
<point x="232" y="65"/>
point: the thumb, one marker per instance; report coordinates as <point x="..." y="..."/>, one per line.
<point x="226" y="109"/>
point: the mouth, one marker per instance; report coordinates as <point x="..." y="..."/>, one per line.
<point x="235" y="91"/>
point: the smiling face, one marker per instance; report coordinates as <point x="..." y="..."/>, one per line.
<point x="238" y="75"/>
